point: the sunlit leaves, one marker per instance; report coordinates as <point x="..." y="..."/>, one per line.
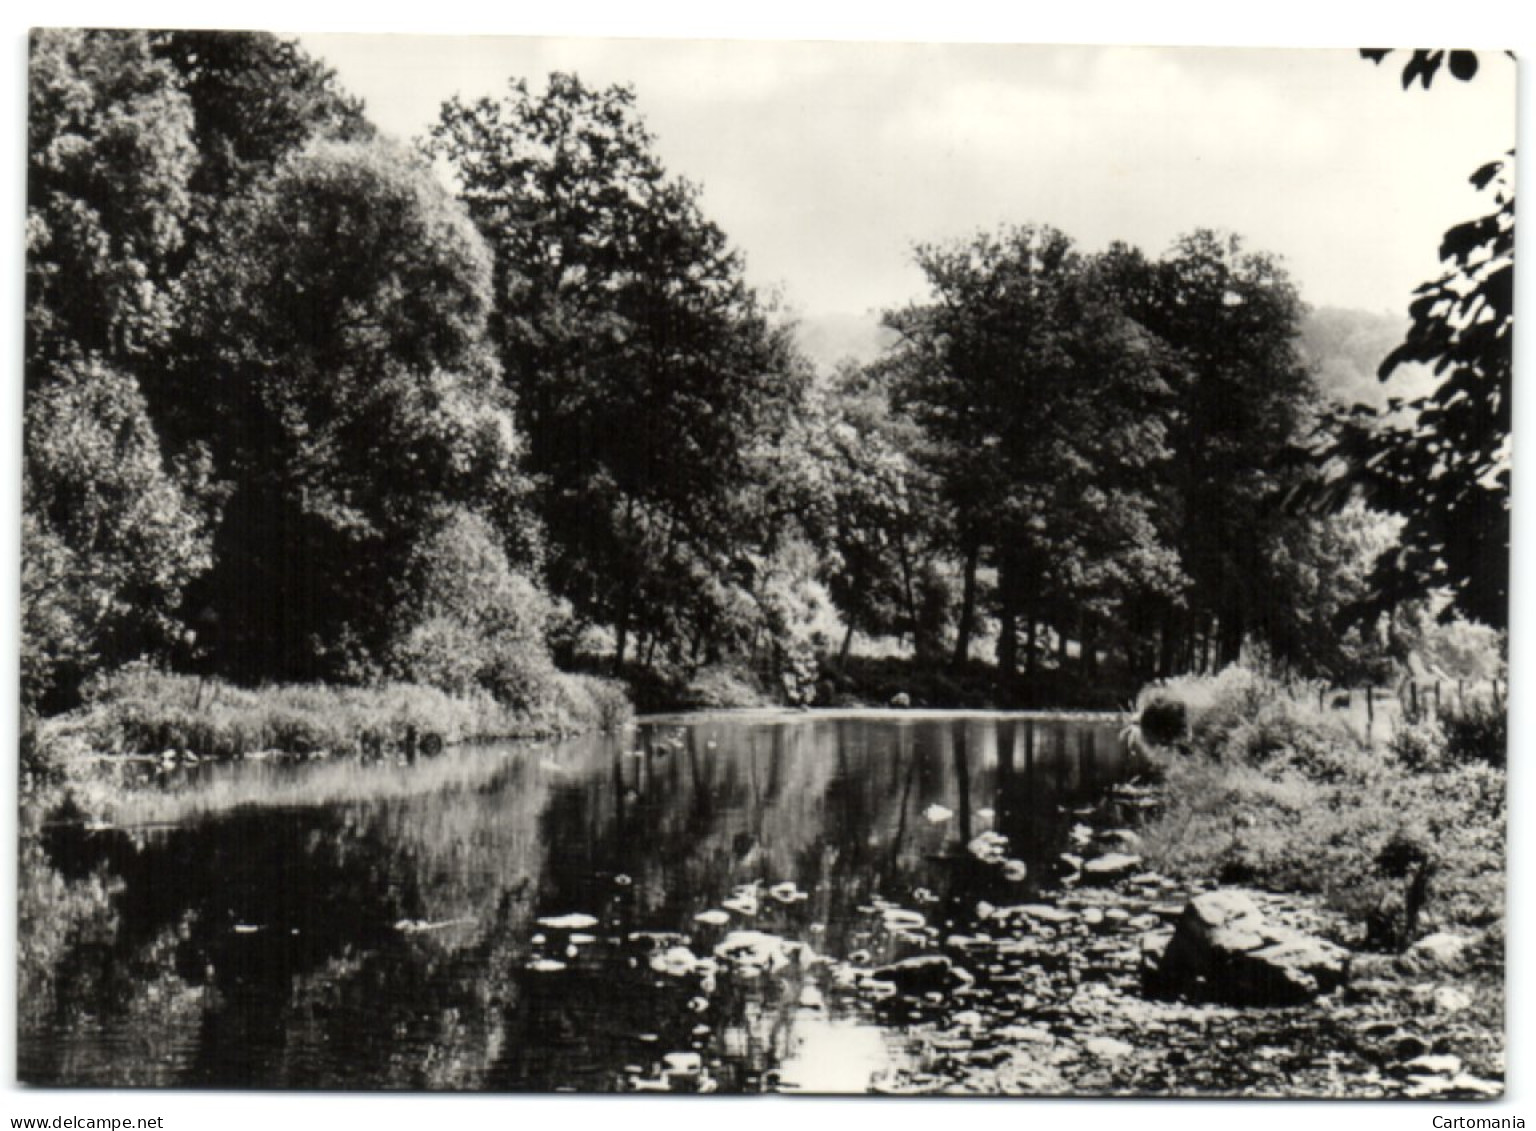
<point x="110" y="156"/>
<point x="1443" y="460"/>
<point x="652" y="381"/>
<point x="111" y="538"/>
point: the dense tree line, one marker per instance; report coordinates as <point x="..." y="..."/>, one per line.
<point x="297" y="410"/>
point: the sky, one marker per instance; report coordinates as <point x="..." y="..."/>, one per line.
<point x="824" y="162"/>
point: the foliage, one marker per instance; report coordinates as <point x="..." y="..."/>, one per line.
<point x="1019" y="372"/>
<point x="1322" y="563"/>
<point x="1476" y="731"/>
<point x="1246" y="408"/>
<point x="469" y="621"/>
<point x="297" y="412"/>
<point x="110" y="538"/>
<point x="1442" y="460"/>
<point x="649" y="375"/>
<point x="142" y="710"/>
<point x="347" y="299"/>
<point x="719" y="687"/>
<point x="110" y="158"/>
<point x="867" y="504"/>
<point x="255" y="99"/>
<point x="1279" y="794"/>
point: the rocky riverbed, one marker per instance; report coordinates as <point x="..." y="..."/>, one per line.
<point x="1059" y="1006"/>
<point x="1122" y="981"/>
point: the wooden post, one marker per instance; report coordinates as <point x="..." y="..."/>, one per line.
<point x="1437" y="697"/>
<point x="1321" y="695"/>
<point x="1370" y="709"/>
<point x="1413" y="697"/>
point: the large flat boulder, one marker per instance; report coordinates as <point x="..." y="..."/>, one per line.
<point x="1224" y="949"/>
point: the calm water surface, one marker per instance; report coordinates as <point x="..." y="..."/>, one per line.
<point x="526" y="918"/>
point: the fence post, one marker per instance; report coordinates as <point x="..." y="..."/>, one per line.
<point x="1370" y="709"/>
<point x="1437" y="697"/>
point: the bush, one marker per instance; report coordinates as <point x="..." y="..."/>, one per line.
<point x="1241" y="716"/>
<point x="472" y="622"/>
<point x="1418" y="745"/>
<point x="1290" y="799"/>
<point x="588" y="701"/>
<point x="1476" y="731"/>
<point x="1164" y="721"/>
<point x="139" y="710"/>
<point x="723" y="687"/>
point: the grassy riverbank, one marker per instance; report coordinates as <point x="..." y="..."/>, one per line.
<point x="1402" y="834"/>
<point x="1274" y="792"/>
<point x="139" y="711"/>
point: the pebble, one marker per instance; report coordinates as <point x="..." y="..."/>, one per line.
<point x="1434" y="1065"/>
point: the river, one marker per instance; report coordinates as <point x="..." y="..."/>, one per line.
<point x="672" y="908"/>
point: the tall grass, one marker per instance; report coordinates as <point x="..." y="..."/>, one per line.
<point x="1271" y="791"/>
<point x="140" y="710"/>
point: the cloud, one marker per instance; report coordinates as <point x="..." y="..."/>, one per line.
<point x="825" y="161"/>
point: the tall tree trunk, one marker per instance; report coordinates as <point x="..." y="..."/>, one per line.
<point x="842" y="653"/>
<point x="967" y="604"/>
<point x="621" y="640"/>
<point x="1229" y="646"/>
<point x="908" y="589"/>
<point x="1007" y="644"/>
<point x="1007" y="629"/>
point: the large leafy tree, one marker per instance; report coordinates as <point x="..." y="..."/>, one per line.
<point x="255" y="99"/>
<point x="110" y="160"/>
<point x="1442" y="461"/>
<point x="870" y="505"/>
<point x="110" y="538"/>
<point x="345" y="304"/>
<point x="259" y="403"/>
<point x="644" y="367"/>
<point x="112" y="530"/>
<point x="1043" y="410"/>
<point x="1246" y="409"/>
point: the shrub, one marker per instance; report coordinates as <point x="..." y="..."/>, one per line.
<point x="1476" y="731"/>
<point x="138" y="710"/>
<point x="723" y="687"/>
<point x="587" y="701"/>
<point x="1418" y="745"/>
<point x="1164" y="721"/>
<point x="1292" y="800"/>
<point x="471" y="622"/>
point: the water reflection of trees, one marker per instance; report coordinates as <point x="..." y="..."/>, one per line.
<point x="266" y="946"/>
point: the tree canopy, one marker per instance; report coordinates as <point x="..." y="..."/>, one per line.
<point x="1442" y="460"/>
<point x="303" y="403"/>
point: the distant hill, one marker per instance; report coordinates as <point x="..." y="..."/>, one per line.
<point x="1346" y="349"/>
<point x="830" y="338"/>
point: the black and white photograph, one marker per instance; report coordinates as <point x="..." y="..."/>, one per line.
<point x="705" y="567"/>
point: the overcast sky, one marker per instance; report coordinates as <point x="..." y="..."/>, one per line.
<point x="825" y="162"/>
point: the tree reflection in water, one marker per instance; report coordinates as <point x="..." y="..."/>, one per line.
<point x="388" y="935"/>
